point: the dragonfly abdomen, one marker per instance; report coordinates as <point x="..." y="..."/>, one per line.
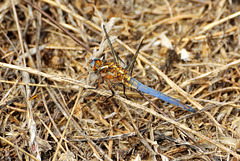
<point x="133" y="83"/>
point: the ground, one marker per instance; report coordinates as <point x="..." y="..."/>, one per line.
<point x="49" y="108"/>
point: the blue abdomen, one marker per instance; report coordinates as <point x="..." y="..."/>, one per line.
<point x="145" y="89"/>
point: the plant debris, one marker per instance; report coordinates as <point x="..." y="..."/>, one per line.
<point x="49" y="108"/>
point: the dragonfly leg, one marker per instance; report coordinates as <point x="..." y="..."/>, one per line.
<point x="100" y="81"/>
<point x="113" y="93"/>
<point x="111" y="88"/>
<point x="124" y="91"/>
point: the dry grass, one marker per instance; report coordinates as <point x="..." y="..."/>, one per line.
<point x="191" y="51"/>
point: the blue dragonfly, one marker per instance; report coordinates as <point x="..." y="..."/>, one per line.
<point x="112" y="72"/>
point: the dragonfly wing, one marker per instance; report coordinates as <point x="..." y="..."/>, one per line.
<point x="116" y="58"/>
<point x="131" y="65"/>
<point x="145" y="89"/>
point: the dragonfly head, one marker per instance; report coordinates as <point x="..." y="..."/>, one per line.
<point x="94" y="65"/>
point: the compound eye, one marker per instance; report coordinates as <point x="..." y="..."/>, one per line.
<point x="91" y="64"/>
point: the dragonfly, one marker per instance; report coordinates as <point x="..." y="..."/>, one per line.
<point x="112" y="72"/>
